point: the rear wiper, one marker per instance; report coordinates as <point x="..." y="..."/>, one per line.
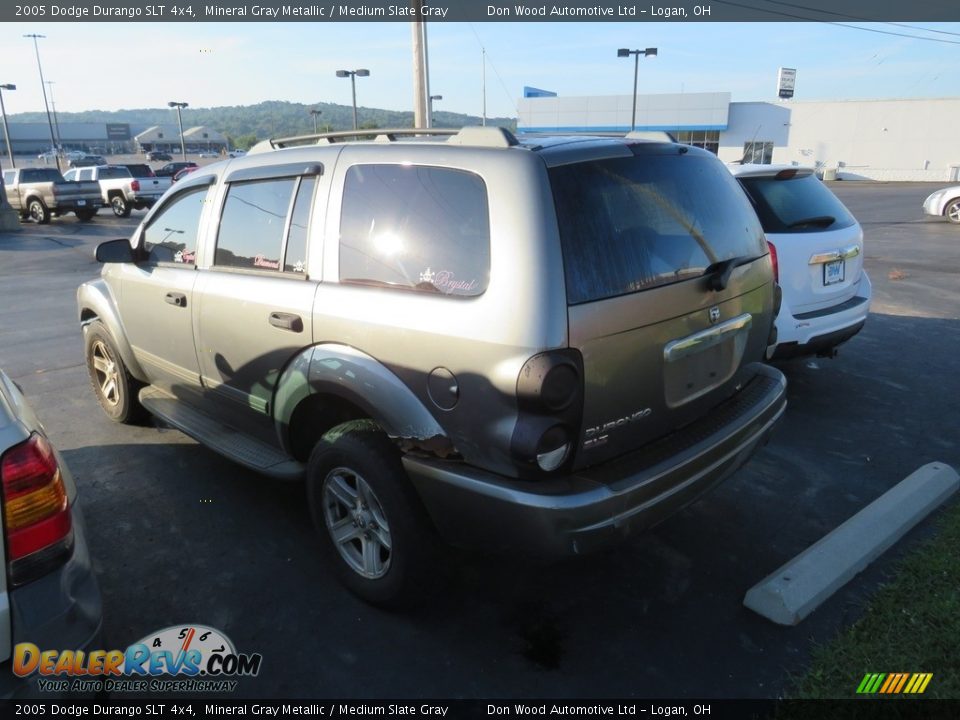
<point x="718" y="273"/>
<point x="819" y="220"/>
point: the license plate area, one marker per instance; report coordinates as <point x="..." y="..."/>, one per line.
<point x="695" y="365"/>
<point x="81" y="203"/>
<point x="834" y="272"/>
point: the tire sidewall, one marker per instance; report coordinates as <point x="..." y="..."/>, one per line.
<point x="123" y="410"/>
<point x="120" y="206"/>
<point x="40" y="215"/>
<point x="369" y="454"/>
<point x="950" y="206"/>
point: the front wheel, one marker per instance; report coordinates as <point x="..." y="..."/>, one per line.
<point x="116" y="389"/>
<point x="374" y="531"/>
<point x="120" y="206"/>
<point x="952" y="211"/>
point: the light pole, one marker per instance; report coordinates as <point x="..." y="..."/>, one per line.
<point x="646" y="52"/>
<point x="56" y="122"/>
<point x="315" y="114"/>
<point x="6" y="129"/>
<point x="179" y="106"/>
<point x="430" y="108"/>
<point x="43" y="86"/>
<point x="353" y="75"/>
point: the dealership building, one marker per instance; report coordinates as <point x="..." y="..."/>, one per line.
<point x="901" y="139"/>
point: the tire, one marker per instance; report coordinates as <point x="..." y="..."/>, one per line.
<point x="116" y="389"/>
<point x="38" y="212"/>
<point x="86" y="215"/>
<point x="374" y="532"/>
<point x="952" y="211"/>
<point x="121" y="208"/>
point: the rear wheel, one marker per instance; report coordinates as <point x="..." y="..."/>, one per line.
<point x="38" y="212"/>
<point x="116" y="389"/>
<point x="374" y="531"/>
<point x="120" y="206"/>
<point x="952" y="211"/>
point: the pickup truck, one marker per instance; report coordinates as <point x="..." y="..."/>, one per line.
<point x="120" y="189"/>
<point x="40" y="193"/>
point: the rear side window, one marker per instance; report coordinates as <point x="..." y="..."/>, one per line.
<point x="415" y="227"/>
<point x="791" y="203"/>
<point x="257" y="216"/>
<point x="630" y="224"/>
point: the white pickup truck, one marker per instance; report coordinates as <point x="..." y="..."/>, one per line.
<point x="120" y="189"/>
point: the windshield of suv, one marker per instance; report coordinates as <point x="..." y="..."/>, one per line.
<point x="630" y="224"/>
<point x="792" y="203"/>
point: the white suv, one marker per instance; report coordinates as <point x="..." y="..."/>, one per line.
<point x="817" y="250"/>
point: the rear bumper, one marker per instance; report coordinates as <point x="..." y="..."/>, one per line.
<point x="60" y="611"/>
<point x="813" y="332"/>
<point x="79" y="204"/>
<point x="600" y="505"/>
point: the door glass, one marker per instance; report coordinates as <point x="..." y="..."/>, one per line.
<point x="252" y="224"/>
<point x="171" y="235"/>
<point x="296" y="256"/>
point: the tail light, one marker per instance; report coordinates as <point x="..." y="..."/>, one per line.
<point x="135" y="186"/>
<point x="773" y="259"/>
<point x="36" y="510"/>
<point x="550" y="400"/>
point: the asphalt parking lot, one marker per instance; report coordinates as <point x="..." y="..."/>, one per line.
<point x="180" y="535"/>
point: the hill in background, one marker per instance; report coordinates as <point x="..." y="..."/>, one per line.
<point x="245" y="124"/>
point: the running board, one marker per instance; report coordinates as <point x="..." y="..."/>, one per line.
<point x="223" y="439"/>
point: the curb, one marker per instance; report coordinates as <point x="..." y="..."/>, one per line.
<point x="799" y="587"/>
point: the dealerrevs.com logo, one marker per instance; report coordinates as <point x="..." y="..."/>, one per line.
<point x="180" y="658"/>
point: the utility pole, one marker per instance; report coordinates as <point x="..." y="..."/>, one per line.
<point x="43" y="86"/>
<point x="420" y="91"/>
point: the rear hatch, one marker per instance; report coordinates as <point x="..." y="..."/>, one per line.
<point x="819" y="244"/>
<point x="669" y="290"/>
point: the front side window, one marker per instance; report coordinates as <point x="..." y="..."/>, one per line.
<point x="415" y="228"/>
<point x="631" y="224"/>
<point x="171" y="235"/>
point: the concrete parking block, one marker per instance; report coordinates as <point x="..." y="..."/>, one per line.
<point x="795" y="590"/>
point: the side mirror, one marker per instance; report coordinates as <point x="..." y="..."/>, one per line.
<point x="115" y="251"/>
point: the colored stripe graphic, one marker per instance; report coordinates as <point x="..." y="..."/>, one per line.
<point x="894" y="683"/>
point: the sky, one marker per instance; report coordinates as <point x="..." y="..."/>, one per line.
<point x="111" y="66"/>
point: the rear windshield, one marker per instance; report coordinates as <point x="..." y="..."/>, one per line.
<point x="112" y="173"/>
<point x="32" y="175"/>
<point x="789" y="203"/>
<point x="630" y="224"/>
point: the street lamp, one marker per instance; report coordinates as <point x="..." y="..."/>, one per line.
<point x="353" y="75"/>
<point x="6" y="129"/>
<point x="430" y="108"/>
<point x="315" y="113"/>
<point x="179" y="106"/>
<point x="43" y="86"/>
<point x="646" y="52"/>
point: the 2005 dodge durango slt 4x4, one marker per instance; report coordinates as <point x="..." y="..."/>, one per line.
<point x="538" y="345"/>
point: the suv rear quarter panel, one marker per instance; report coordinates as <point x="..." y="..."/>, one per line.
<point x="483" y="340"/>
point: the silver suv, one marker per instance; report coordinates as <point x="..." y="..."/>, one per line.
<point x="538" y="345"/>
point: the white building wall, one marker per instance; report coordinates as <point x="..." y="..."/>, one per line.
<point x="612" y="113"/>
<point x="863" y="139"/>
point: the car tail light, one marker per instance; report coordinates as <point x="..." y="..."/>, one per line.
<point x="36" y="511"/>
<point x="135" y="186"/>
<point x="773" y="259"/>
<point x="550" y="400"/>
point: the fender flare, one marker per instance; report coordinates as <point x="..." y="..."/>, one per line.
<point x="95" y="297"/>
<point x="348" y="373"/>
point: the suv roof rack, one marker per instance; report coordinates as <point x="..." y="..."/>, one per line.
<point x="475" y="136"/>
